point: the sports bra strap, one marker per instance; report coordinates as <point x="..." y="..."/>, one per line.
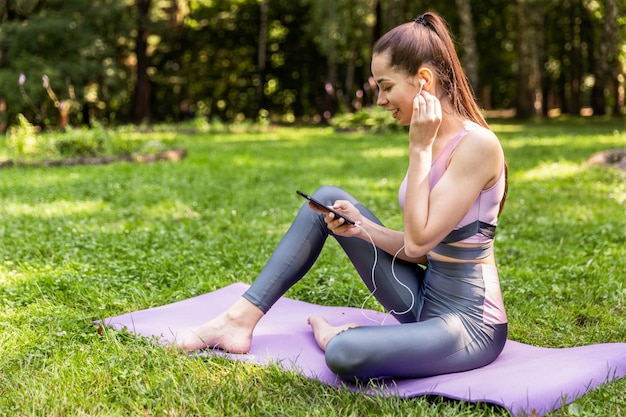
<point x="464" y="252"/>
<point x="469" y="230"/>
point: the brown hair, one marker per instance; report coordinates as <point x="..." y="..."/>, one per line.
<point x="427" y="40"/>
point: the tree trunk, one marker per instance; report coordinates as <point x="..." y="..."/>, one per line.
<point x="468" y="42"/>
<point x="330" y="97"/>
<point x="529" y="39"/>
<point x="262" y="48"/>
<point x="377" y="30"/>
<point x="349" y="93"/>
<point x="3" y="115"/>
<point x="618" y="87"/>
<point x="141" y="102"/>
<point x="329" y="16"/>
<point x="574" y="104"/>
<point x="605" y="61"/>
<point x="178" y="11"/>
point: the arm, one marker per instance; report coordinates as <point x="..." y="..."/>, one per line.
<point x="430" y="215"/>
<point x="391" y="241"/>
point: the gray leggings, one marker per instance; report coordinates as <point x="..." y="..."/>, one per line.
<point x="442" y="329"/>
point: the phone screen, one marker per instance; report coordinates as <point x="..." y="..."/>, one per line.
<point x="323" y="207"/>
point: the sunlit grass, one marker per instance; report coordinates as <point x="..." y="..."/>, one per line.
<point x="52" y="209"/>
<point x="552" y="170"/>
<point x="88" y="242"/>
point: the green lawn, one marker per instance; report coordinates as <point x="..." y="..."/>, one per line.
<point x="87" y="242"/>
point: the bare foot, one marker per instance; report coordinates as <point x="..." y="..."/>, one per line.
<point x="231" y="331"/>
<point x="323" y="331"/>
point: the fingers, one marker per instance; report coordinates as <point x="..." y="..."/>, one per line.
<point x="426" y="107"/>
<point x="333" y="221"/>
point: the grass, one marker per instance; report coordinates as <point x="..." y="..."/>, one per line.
<point x="88" y="242"/>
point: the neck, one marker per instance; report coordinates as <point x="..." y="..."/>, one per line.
<point x="449" y="127"/>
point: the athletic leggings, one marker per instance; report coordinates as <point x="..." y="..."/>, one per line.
<point x="443" y="330"/>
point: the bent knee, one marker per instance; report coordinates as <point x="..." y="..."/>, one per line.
<point x="328" y="194"/>
<point x="344" y="357"/>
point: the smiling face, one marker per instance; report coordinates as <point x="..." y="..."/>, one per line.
<point x="396" y="88"/>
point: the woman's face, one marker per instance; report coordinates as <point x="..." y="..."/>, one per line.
<point x="396" y="89"/>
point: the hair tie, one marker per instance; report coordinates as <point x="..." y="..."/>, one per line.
<point x="420" y="19"/>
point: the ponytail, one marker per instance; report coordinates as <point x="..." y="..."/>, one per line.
<point x="427" y="40"/>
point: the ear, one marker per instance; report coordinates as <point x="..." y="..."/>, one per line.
<point x="424" y="75"/>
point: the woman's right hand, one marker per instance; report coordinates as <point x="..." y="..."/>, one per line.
<point x="338" y="225"/>
<point x="425" y="120"/>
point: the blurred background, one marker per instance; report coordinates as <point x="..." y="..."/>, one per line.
<point x="68" y="62"/>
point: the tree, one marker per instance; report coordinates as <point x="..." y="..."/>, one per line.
<point x="261" y="54"/>
<point x="468" y="41"/>
<point x="529" y="73"/>
<point x="308" y="59"/>
<point x="75" y="43"/>
<point x="141" y="98"/>
<point x="342" y="30"/>
<point x="606" y="61"/>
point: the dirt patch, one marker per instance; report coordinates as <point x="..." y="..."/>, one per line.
<point x="174" y="154"/>
<point x="615" y="158"/>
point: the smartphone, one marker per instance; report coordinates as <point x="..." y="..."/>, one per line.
<point x="320" y="205"/>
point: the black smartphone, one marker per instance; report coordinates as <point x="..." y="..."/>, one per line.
<point x="325" y="208"/>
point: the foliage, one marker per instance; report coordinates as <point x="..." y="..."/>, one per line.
<point x="87" y="242"/>
<point x="80" y="46"/>
<point x="24" y="143"/>
<point x="203" y="56"/>
<point x="225" y="35"/>
<point x="366" y="119"/>
<point x="22" y="139"/>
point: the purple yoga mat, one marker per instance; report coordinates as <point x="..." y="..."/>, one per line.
<point x="524" y="379"/>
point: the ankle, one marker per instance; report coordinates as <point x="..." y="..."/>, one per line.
<point x="243" y="313"/>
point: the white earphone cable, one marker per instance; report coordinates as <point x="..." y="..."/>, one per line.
<point x="373" y="277"/>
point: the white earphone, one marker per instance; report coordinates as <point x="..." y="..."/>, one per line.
<point x="422" y="82"/>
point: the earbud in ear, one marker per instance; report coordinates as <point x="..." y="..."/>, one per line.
<point x="422" y="82"/>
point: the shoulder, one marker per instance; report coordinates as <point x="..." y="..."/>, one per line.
<point x="481" y="142"/>
<point x="479" y="153"/>
<point x="481" y="135"/>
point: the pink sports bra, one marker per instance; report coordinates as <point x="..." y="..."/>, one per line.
<point x="485" y="210"/>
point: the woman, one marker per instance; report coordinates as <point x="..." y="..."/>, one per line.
<point x="451" y="313"/>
